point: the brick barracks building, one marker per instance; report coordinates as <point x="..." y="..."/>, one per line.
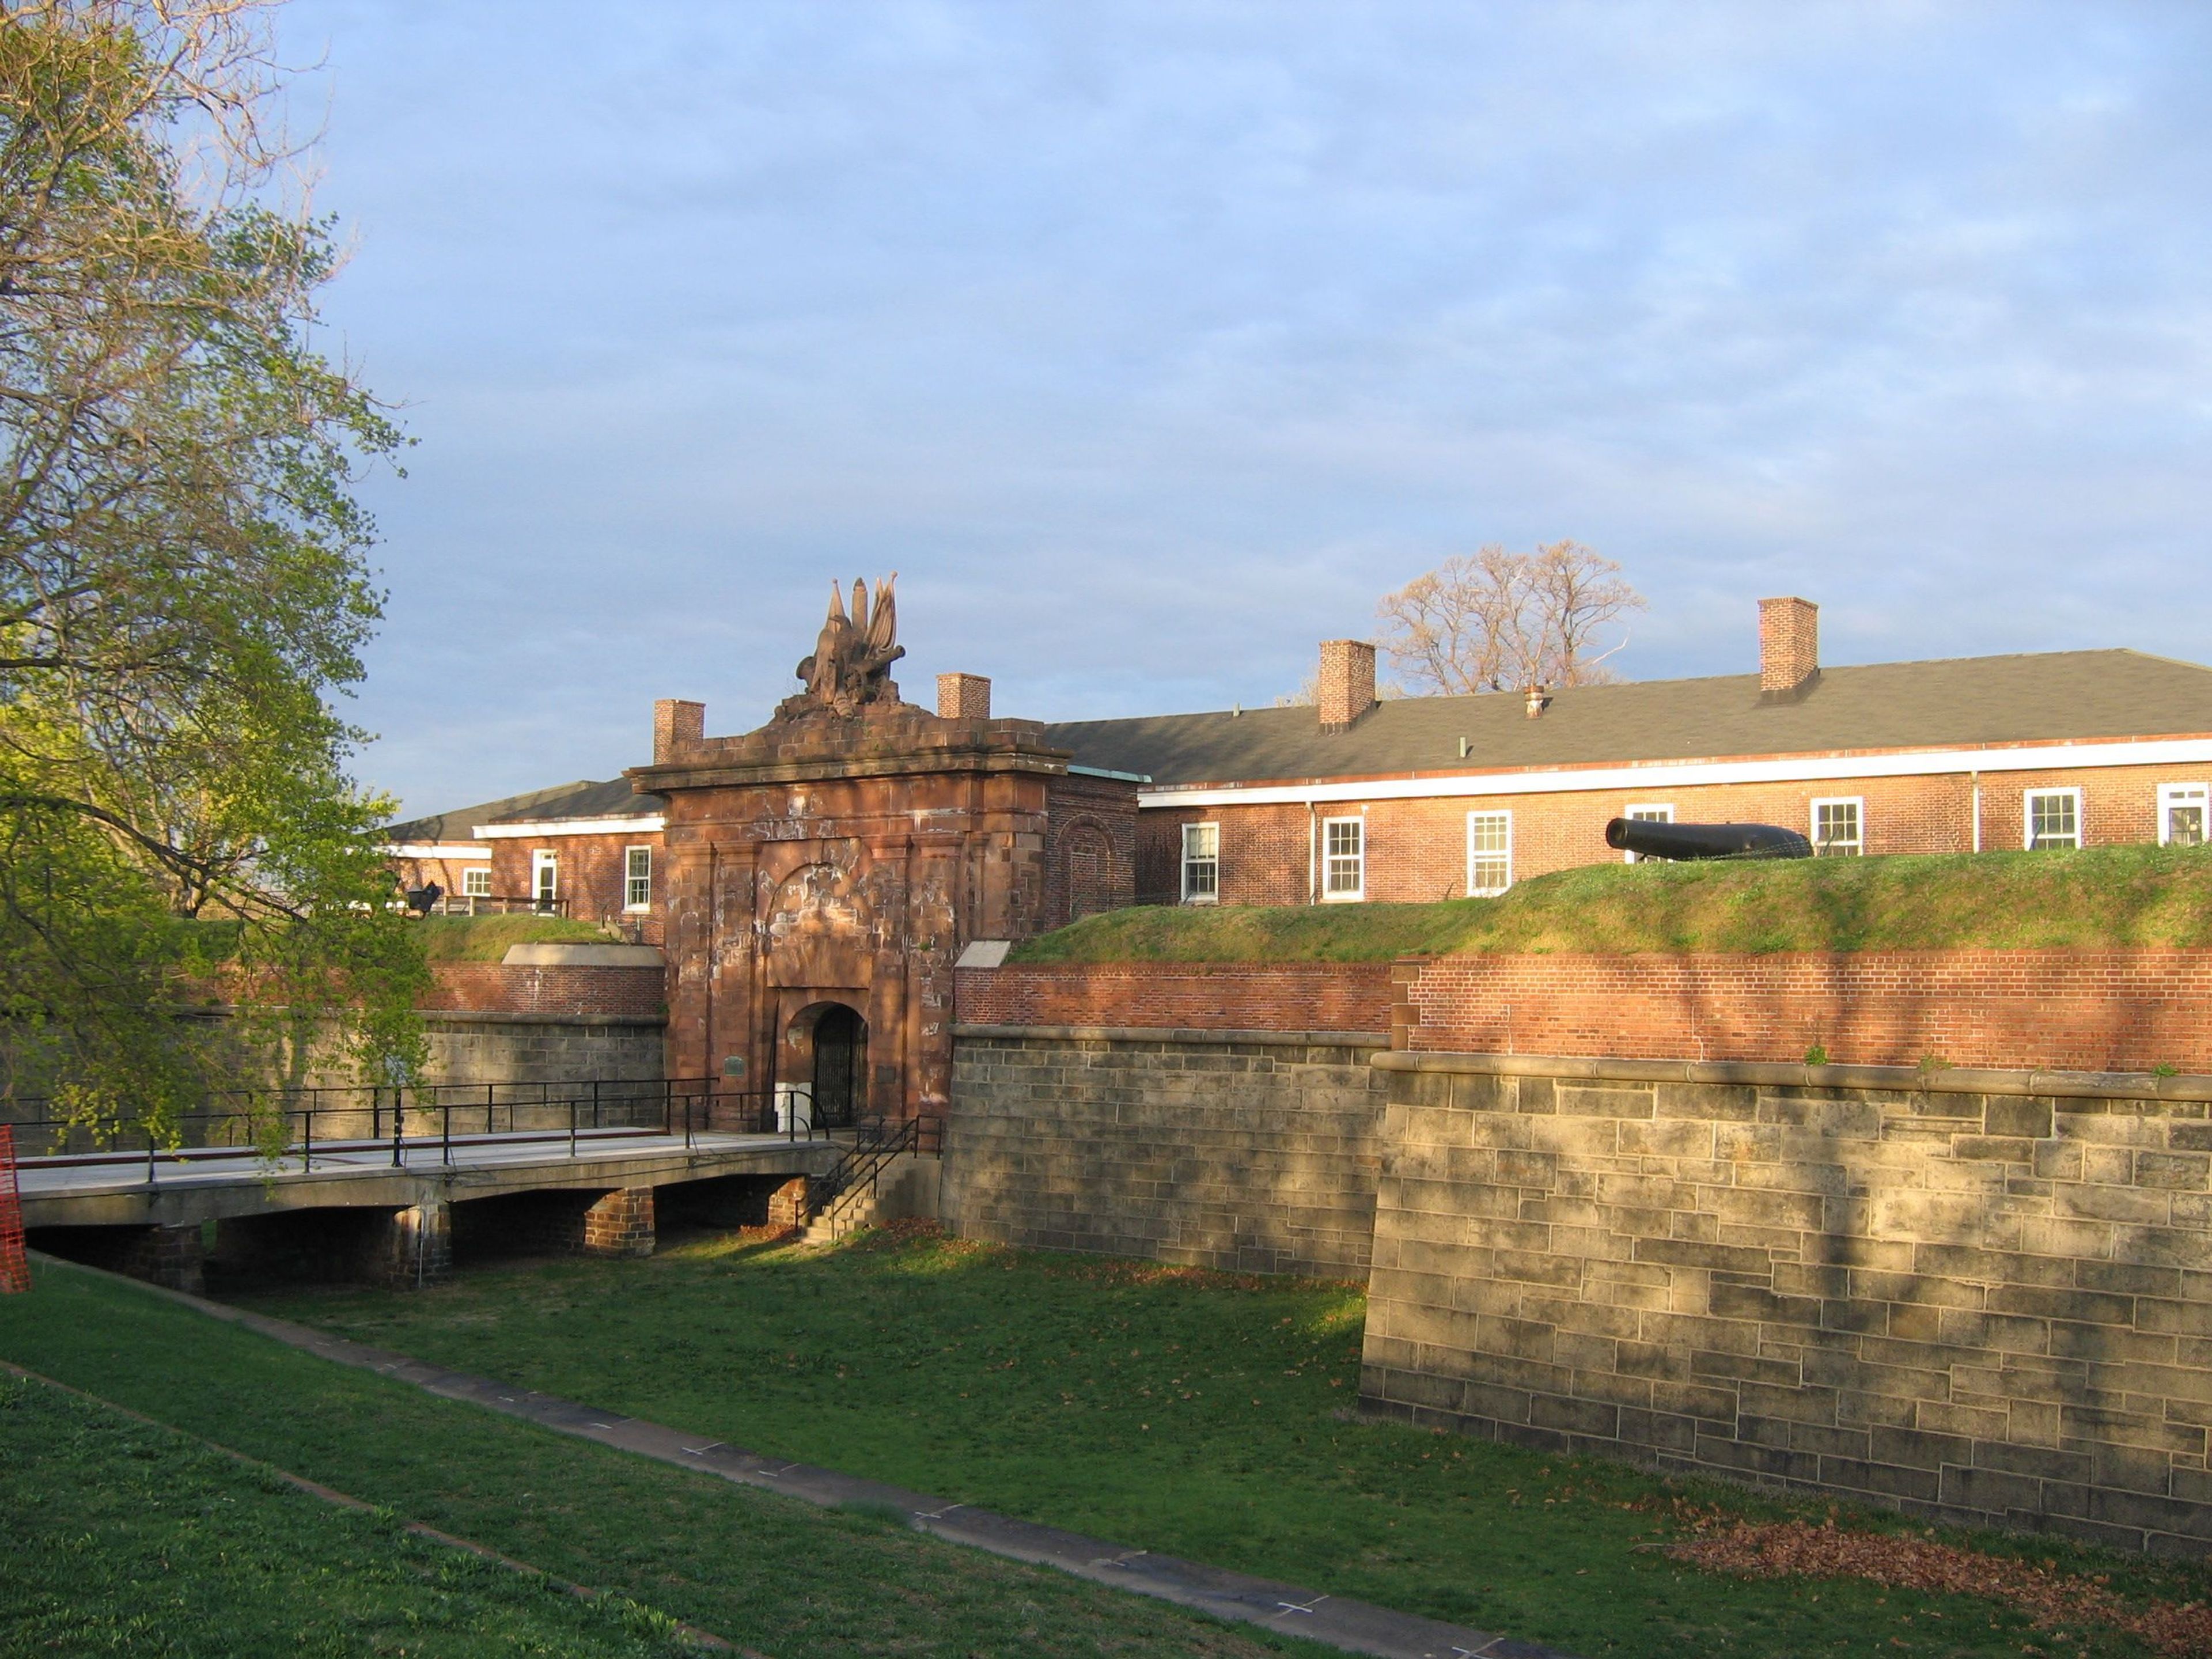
<point x="813" y="882"/>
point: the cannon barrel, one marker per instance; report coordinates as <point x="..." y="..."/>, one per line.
<point x="1649" y="838"/>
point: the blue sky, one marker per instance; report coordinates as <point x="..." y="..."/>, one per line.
<point x="1153" y="343"/>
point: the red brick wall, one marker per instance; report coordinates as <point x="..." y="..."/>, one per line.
<point x="1232" y="996"/>
<point x="2061" y="1010"/>
<point x="1091" y="847"/>
<point x="1416" y="849"/>
<point x="591" y="876"/>
<point x="496" y="987"/>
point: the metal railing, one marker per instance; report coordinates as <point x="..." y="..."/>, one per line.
<point x="302" y="1124"/>
<point x="875" y="1144"/>
<point x="496" y="904"/>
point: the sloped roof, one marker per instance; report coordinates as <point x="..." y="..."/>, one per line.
<point x="1955" y="703"/>
<point x="583" y="798"/>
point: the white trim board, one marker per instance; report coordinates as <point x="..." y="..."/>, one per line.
<point x="537" y="828"/>
<point x="433" y="849"/>
<point x="1652" y="776"/>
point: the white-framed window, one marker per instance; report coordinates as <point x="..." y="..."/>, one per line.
<point x="544" y="877"/>
<point x="1649" y="812"/>
<point x="637" y="877"/>
<point x="1489" y="853"/>
<point x="1201" y="863"/>
<point x="1343" y="859"/>
<point x="1838" y="827"/>
<point x="2182" y="817"/>
<point x="476" y="881"/>
<point x="2051" y="818"/>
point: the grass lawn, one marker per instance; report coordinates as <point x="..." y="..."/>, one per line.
<point x="764" y="1572"/>
<point x="123" y="1538"/>
<point x="1176" y="1410"/>
<point x="2097" y="898"/>
<point x="485" y="938"/>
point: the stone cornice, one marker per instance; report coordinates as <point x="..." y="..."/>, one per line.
<point x="1952" y="1079"/>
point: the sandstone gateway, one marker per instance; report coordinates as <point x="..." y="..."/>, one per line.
<point x="823" y="874"/>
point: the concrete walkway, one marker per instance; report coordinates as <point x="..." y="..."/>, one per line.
<point x="1353" y="1626"/>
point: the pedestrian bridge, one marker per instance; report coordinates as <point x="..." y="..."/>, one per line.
<point x="389" y="1190"/>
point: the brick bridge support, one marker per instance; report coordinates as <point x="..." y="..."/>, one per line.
<point x="621" y="1224"/>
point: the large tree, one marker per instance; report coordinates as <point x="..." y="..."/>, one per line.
<point x="1495" y="620"/>
<point x="183" y="590"/>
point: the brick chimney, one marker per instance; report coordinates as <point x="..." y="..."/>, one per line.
<point x="675" y="722"/>
<point x="964" y="697"/>
<point x="1346" y="682"/>
<point x="1789" y="648"/>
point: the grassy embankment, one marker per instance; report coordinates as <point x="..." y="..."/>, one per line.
<point x="123" y="1538"/>
<point x="118" y="1541"/>
<point x="485" y="938"/>
<point x="1183" y="1411"/>
<point x="2100" y="897"/>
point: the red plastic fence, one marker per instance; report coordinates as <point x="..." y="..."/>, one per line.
<point x="14" y="1267"/>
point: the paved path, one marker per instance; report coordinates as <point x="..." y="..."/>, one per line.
<point x="1354" y="1627"/>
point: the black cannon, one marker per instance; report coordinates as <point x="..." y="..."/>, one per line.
<point x="1650" y="838"/>
<point x="423" y="900"/>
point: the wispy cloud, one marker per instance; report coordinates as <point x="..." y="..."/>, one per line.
<point x="1153" y="342"/>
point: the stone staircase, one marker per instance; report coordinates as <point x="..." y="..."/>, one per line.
<point x="885" y="1175"/>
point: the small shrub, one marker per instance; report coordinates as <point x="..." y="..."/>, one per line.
<point x="1816" y="1056"/>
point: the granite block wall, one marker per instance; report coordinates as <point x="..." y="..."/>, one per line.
<point x="1981" y="1296"/>
<point x="496" y="1048"/>
<point x="1250" y="1151"/>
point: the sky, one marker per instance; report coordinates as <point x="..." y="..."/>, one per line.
<point x="1153" y="344"/>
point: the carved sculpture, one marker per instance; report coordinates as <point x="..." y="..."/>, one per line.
<point x="850" y="669"/>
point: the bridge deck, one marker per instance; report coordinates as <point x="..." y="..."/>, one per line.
<point x="210" y="1183"/>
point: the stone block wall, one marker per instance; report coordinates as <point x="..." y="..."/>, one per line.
<point x="491" y="1048"/>
<point x="1982" y="1297"/>
<point x="1250" y="1152"/>
<point x="2071" y="1010"/>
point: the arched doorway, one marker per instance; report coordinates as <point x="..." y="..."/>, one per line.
<point x="840" y="1067"/>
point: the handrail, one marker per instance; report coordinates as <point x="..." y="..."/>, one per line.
<point x="864" y="1162"/>
<point x="330" y="1120"/>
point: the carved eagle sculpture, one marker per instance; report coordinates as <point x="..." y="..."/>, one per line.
<point x="850" y="668"/>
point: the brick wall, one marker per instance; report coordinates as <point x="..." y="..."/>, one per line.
<point x="1982" y="1304"/>
<point x="496" y="986"/>
<point x="591" y="877"/>
<point x="1416" y="849"/>
<point x="1250" y="1155"/>
<point x="2062" y="1009"/>
<point x="1310" y="996"/>
<point x="1091" y="847"/>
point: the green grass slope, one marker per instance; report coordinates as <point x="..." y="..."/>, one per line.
<point x="125" y="1538"/>
<point x="139" y="1545"/>
<point x="2102" y="897"/>
<point x="485" y="938"/>
<point x="1204" y="1416"/>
